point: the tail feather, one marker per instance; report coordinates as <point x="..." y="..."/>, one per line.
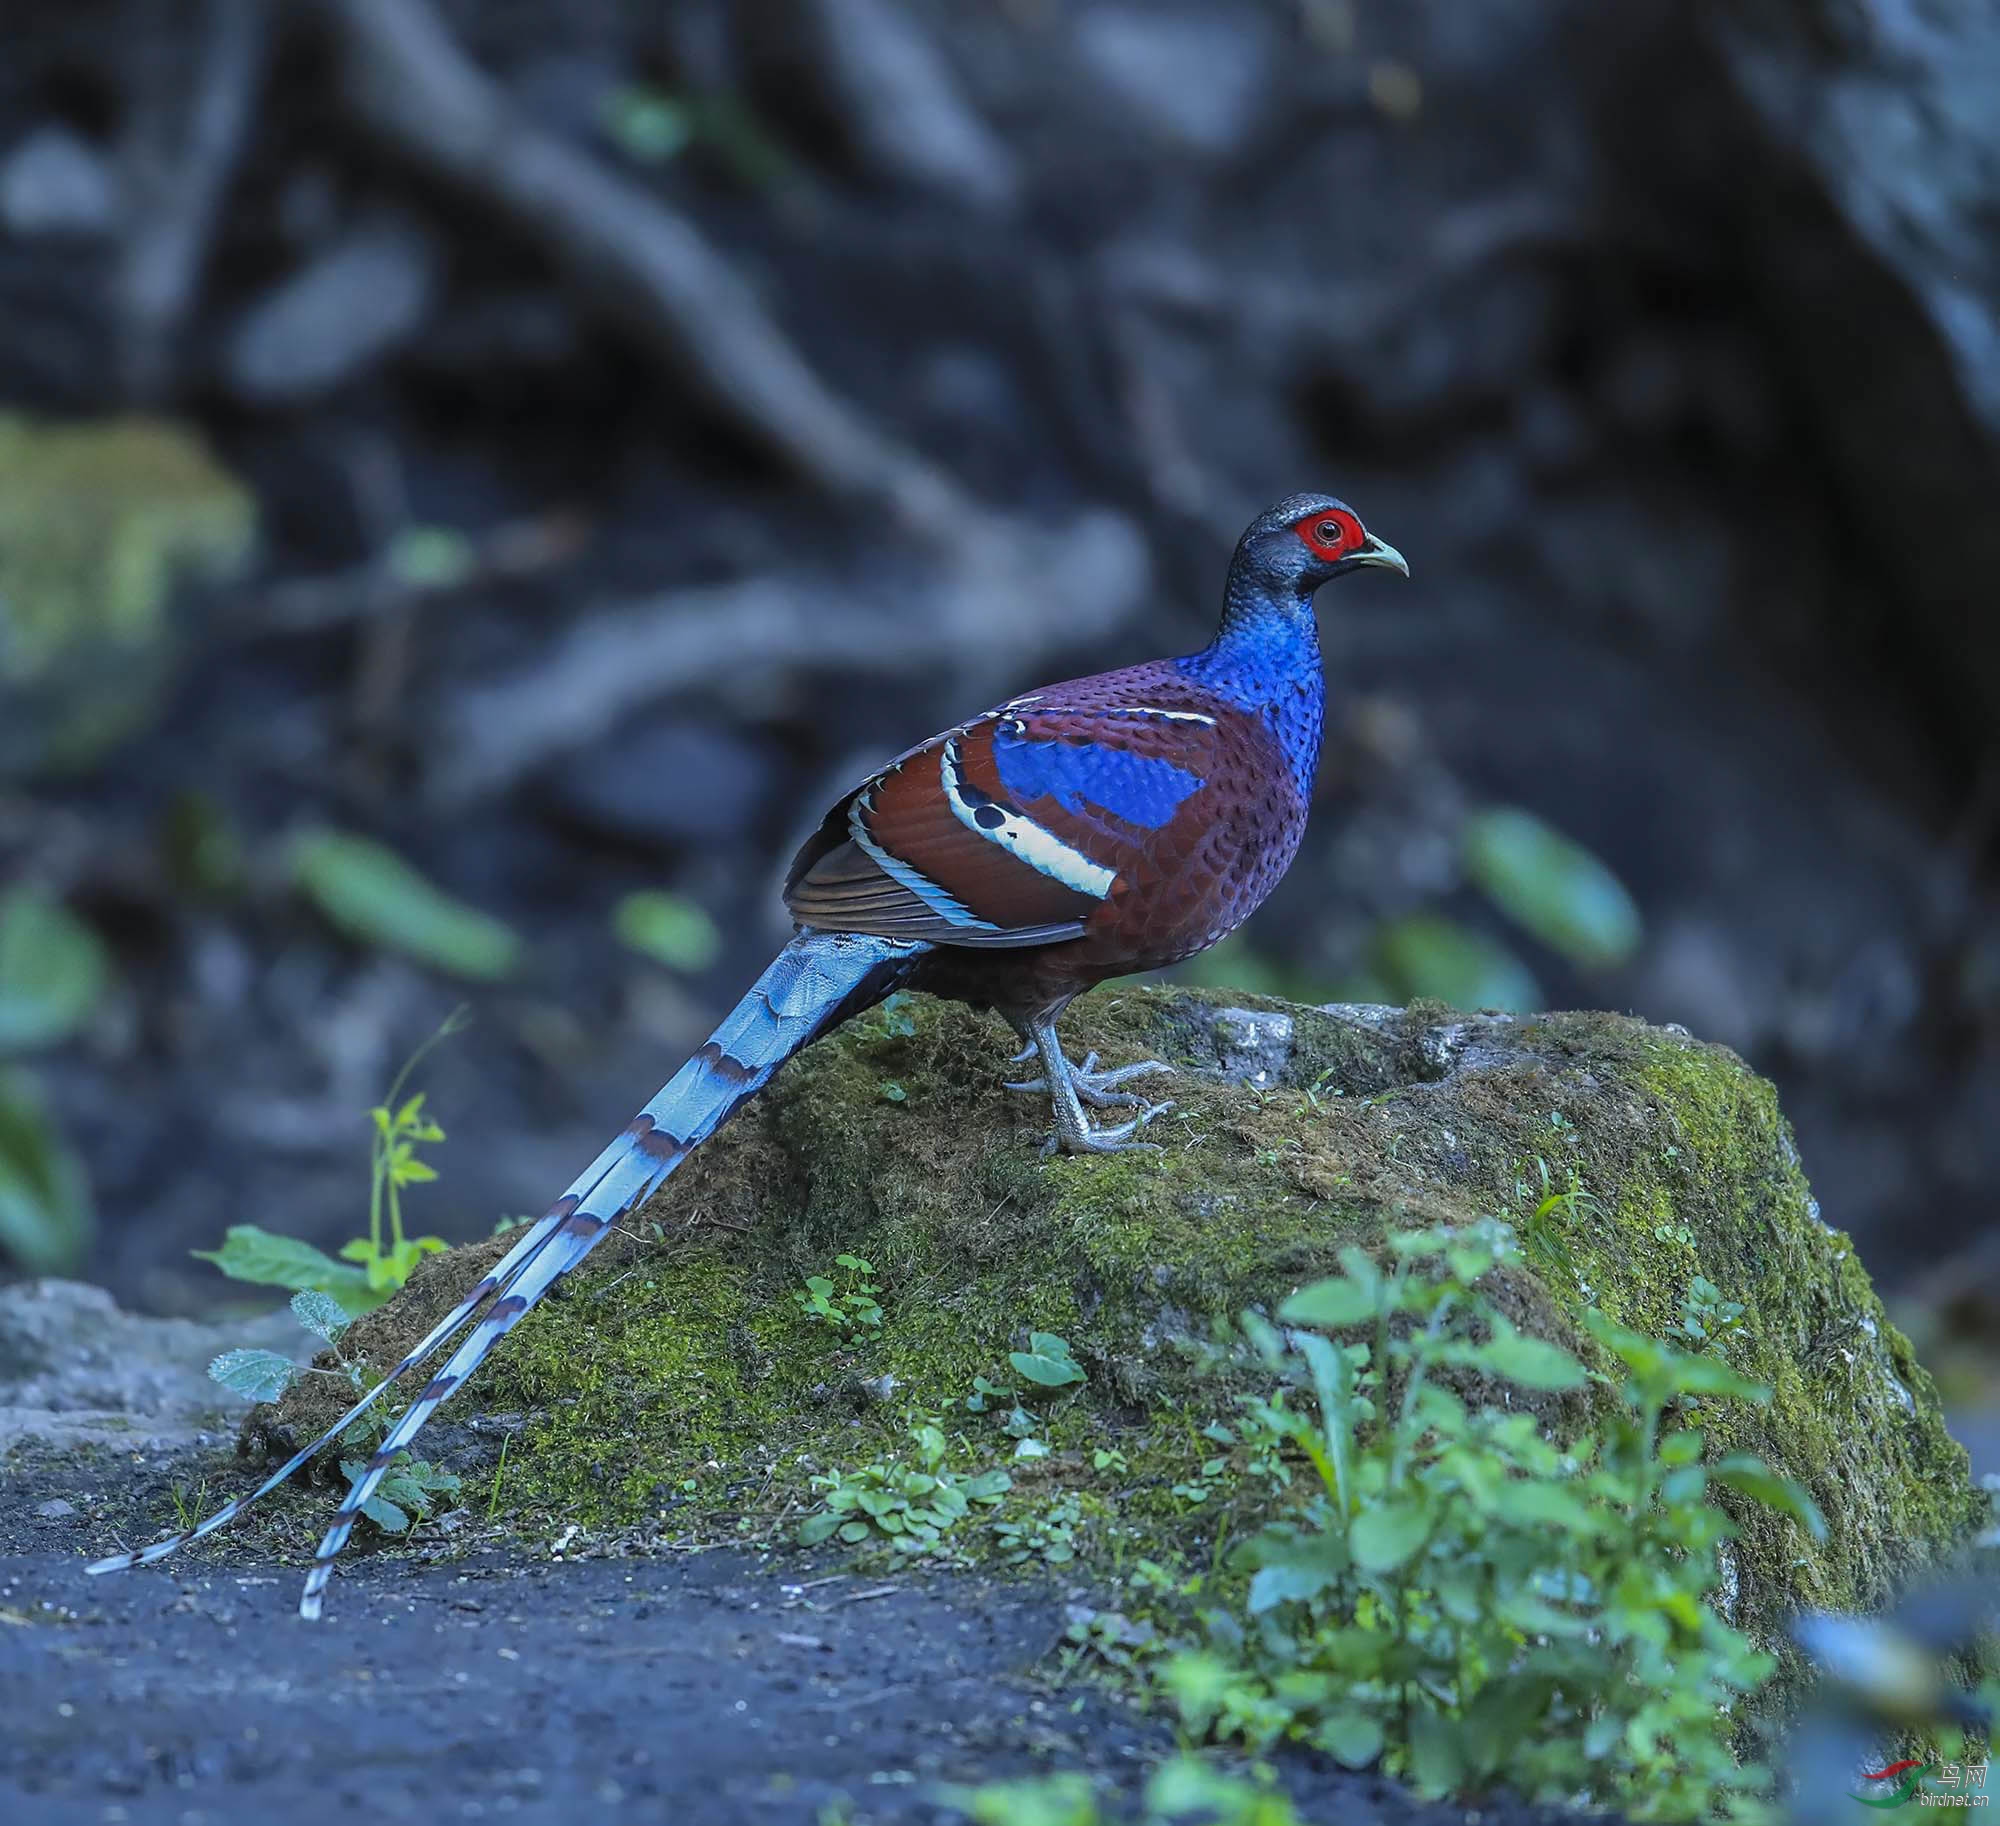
<point x="818" y="980"/>
<point x="498" y="1276"/>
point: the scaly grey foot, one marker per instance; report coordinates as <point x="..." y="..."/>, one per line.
<point x="1097" y="1088"/>
<point x="1070" y="1087"/>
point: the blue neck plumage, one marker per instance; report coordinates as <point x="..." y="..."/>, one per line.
<point x="1265" y="658"/>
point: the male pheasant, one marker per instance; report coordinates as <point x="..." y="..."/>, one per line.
<point x="1089" y="830"/>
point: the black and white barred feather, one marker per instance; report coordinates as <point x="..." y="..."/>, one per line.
<point x="818" y="980"/>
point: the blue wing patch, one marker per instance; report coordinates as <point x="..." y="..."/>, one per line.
<point x="1145" y="790"/>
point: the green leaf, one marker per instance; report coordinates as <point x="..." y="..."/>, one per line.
<point x="416" y="1484"/>
<point x="1711" y="1376"/>
<point x="320" y="1313"/>
<point x="1294" y="1570"/>
<point x="1333" y="1303"/>
<point x="1387" y="1535"/>
<point x="1048" y="1363"/>
<point x="378" y="1508"/>
<point x="1682" y="1447"/>
<point x="1551" y="887"/>
<point x="52" y="971"/>
<point x="1684" y="1484"/>
<point x="1352" y="1739"/>
<point x="265" y="1260"/>
<point x="988" y="1486"/>
<point x="1529" y="1503"/>
<point x="45" y="1213"/>
<point x="431" y="558"/>
<point x="377" y="898"/>
<point x="1427" y="955"/>
<point x="1531" y="1363"/>
<point x="668" y="929"/>
<point x="1744" y="1472"/>
<point x="647" y="125"/>
<point x="261" y="1375"/>
<point x="817" y="1528"/>
<point x="1645" y="1357"/>
<point x="1437" y="1761"/>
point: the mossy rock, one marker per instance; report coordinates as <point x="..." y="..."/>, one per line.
<point x="680" y="1394"/>
<point x="100" y="522"/>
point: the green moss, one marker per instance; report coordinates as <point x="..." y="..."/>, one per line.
<point x="681" y="1392"/>
<point x="98" y="523"/>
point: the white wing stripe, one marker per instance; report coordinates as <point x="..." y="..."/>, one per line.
<point x="1166" y="716"/>
<point x="1115" y="710"/>
<point x="1041" y="850"/>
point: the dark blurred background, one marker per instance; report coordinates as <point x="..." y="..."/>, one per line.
<point x="475" y="479"/>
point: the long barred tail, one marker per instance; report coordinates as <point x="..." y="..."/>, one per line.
<point x="818" y="980"/>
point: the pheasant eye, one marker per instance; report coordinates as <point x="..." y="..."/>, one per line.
<point x="1327" y="532"/>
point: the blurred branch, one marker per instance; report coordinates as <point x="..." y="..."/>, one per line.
<point x="618" y="243"/>
<point x="1011" y="597"/>
<point x="181" y="154"/>
<point x="1286" y="319"/>
<point x="895" y="97"/>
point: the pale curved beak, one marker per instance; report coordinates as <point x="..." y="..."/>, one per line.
<point x="1380" y="551"/>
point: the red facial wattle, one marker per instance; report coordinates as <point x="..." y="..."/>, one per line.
<point x="1330" y="534"/>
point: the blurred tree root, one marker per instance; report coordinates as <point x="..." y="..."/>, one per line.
<point x="414" y="90"/>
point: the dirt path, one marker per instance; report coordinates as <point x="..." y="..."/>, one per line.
<point x="709" y="1691"/>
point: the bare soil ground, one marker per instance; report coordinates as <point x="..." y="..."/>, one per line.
<point x="706" y="1690"/>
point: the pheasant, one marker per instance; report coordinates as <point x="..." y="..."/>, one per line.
<point x="1089" y="830"/>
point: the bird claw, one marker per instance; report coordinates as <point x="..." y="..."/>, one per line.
<point x="1071" y="1087"/>
<point x="1088" y="1140"/>
<point x="1097" y="1088"/>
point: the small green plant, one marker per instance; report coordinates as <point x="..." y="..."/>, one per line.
<point x="329" y="1294"/>
<point x="1211" y="1478"/>
<point x="1545" y="1236"/>
<point x="1046" y="1362"/>
<point x="1015" y="1420"/>
<point x="1708" y="1321"/>
<point x="1457" y="1596"/>
<point x="912" y="1503"/>
<point x="264" y="1375"/>
<point x="986" y="1395"/>
<point x="399" y="1132"/>
<point x="406" y="1495"/>
<point x="499" y="1477"/>
<point x="1049" y="1536"/>
<point x="370" y="1269"/>
<point x="842" y="1306"/>
<point x="1183" y="1789"/>
<point x="190" y="1505"/>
